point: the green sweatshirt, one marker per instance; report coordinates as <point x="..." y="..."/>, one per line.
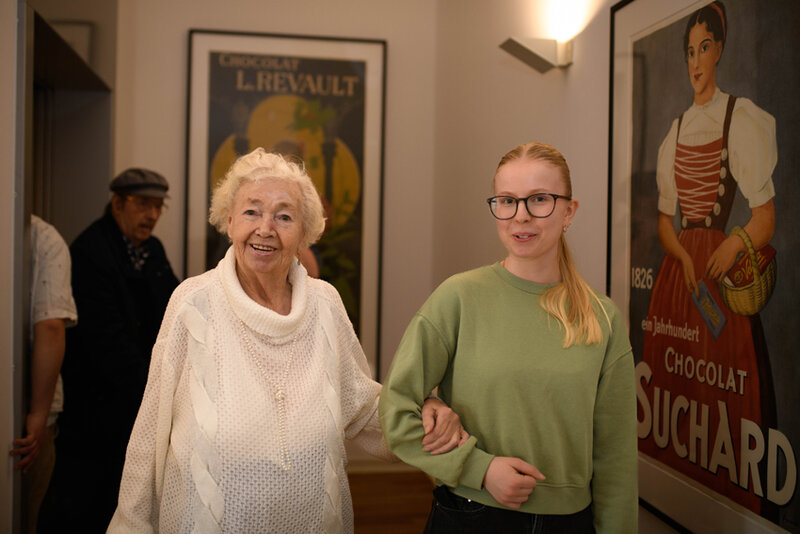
<point x="498" y="360"/>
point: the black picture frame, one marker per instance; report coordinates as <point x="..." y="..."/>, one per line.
<point x="318" y="98"/>
<point x="685" y="501"/>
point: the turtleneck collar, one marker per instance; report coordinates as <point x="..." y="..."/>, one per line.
<point x="257" y="317"/>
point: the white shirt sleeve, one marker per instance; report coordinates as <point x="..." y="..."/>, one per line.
<point x="665" y="172"/>
<point x="51" y="283"/>
<point x="753" y="149"/>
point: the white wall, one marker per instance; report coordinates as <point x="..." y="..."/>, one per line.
<point x="488" y="102"/>
<point x="455" y="103"/>
<point x="151" y="117"/>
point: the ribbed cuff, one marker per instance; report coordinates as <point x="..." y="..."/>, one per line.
<point x="475" y="468"/>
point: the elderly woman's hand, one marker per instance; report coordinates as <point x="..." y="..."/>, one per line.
<point x="443" y="430"/>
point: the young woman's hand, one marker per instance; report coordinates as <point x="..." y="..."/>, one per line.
<point x="511" y="480"/>
<point x="443" y="430"/>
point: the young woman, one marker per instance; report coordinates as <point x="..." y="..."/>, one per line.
<point x="538" y="366"/>
<point x="718" y="145"/>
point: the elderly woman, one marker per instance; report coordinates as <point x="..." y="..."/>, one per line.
<point x="256" y="380"/>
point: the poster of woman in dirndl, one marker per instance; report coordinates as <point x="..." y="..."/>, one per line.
<point x="706" y="345"/>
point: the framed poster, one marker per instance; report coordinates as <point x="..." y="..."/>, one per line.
<point x="318" y="100"/>
<point x="702" y="249"/>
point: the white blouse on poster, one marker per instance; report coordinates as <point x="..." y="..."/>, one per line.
<point x="752" y="148"/>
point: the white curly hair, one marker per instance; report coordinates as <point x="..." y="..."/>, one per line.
<point x="261" y="165"/>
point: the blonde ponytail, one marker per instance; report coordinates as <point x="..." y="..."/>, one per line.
<point x="570" y="302"/>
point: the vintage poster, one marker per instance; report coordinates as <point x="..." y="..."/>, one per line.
<point x="315" y="104"/>
<point x="308" y="109"/>
<point x="713" y="245"/>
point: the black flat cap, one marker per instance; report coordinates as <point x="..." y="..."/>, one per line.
<point x="140" y="182"/>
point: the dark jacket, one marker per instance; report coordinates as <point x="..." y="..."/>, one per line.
<point x="120" y="310"/>
<point x="105" y="372"/>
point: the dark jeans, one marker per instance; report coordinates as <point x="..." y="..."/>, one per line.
<point x="453" y="514"/>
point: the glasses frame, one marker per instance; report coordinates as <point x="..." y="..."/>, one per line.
<point x="525" y="200"/>
<point x="142" y="204"/>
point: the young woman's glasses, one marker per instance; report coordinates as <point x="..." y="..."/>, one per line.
<point x="539" y="205"/>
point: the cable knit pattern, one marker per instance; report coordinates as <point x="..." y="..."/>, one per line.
<point x="205" y="454"/>
<point x="205" y="463"/>
<point x="332" y="510"/>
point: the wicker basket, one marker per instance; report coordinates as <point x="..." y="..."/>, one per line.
<point x="751" y="298"/>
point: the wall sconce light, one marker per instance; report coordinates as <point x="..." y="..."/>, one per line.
<point x="541" y="54"/>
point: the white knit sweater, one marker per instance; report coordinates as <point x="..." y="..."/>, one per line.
<point x="214" y="449"/>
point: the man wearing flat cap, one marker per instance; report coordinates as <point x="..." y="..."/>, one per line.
<point x="121" y="282"/>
